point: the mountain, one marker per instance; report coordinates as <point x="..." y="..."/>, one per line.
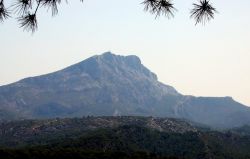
<point x="113" y="85"/>
<point x="118" y="137"/>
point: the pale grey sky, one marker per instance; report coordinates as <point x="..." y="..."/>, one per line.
<point x="210" y="60"/>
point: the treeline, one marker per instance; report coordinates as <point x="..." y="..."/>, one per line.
<point x="132" y="141"/>
<point x="73" y="153"/>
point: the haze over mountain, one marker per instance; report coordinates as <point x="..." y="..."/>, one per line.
<point x="108" y="85"/>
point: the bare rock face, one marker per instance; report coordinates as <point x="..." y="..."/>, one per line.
<point x="108" y="84"/>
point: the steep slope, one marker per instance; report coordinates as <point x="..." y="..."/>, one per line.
<point x="101" y="85"/>
<point x="109" y="84"/>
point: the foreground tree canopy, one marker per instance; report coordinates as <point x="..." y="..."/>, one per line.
<point x="26" y="10"/>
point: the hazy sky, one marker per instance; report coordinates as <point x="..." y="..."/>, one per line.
<point x="210" y="60"/>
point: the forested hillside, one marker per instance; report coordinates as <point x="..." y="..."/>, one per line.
<point x="119" y="137"/>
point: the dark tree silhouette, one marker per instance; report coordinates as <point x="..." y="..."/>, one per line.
<point x="203" y="12"/>
<point x="26" y="10"/>
<point x="4" y="13"/>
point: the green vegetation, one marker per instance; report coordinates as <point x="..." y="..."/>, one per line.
<point x="118" y="137"/>
<point x="74" y="153"/>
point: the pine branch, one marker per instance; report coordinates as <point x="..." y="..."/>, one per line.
<point x="4" y="13"/>
<point x="202" y="12"/>
<point x="160" y="7"/>
<point x="22" y="6"/>
<point x="29" y="21"/>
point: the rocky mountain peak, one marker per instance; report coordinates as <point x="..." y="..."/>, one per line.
<point x="112" y="65"/>
<point x="131" y="60"/>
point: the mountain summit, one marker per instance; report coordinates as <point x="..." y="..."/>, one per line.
<point x="111" y="85"/>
